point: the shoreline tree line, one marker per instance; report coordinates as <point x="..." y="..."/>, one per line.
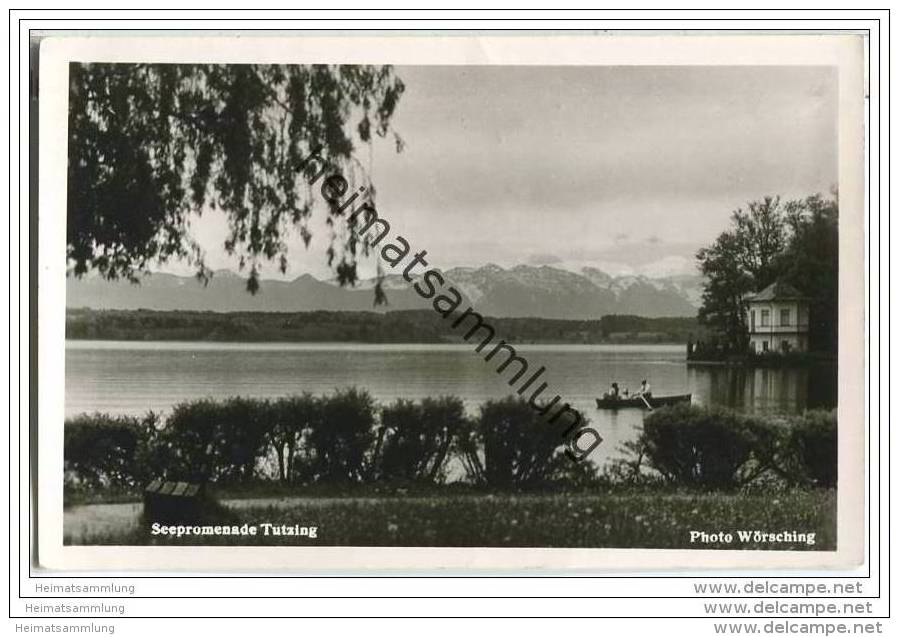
<point x="400" y="326"/>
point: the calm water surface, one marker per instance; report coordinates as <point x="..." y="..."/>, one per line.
<point x="128" y="377"/>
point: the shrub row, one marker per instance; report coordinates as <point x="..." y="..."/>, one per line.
<point x="340" y="438"/>
<point x="346" y="438"/>
<point x="717" y="449"/>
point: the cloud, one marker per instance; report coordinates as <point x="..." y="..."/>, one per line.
<point x="627" y="166"/>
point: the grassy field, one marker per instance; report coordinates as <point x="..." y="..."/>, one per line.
<point x="615" y="520"/>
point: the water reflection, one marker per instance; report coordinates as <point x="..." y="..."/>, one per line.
<point x="764" y="390"/>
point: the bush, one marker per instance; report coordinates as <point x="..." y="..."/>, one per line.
<point x="208" y="440"/>
<point x="693" y="446"/>
<point x="341" y="436"/>
<point x="100" y="450"/>
<point x="291" y="419"/>
<point x="511" y="445"/>
<point x="810" y="452"/>
<point x="415" y="439"/>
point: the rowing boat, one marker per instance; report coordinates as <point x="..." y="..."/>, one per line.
<point x="638" y="402"/>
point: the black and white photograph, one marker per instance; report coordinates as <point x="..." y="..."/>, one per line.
<point x="556" y="306"/>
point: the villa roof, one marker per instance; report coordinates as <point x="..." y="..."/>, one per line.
<point x="778" y="291"/>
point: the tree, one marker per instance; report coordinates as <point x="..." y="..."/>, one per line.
<point x="760" y="233"/>
<point x="150" y="145"/>
<point x="797" y="242"/>
<point x="742" y="260"/>
<point x="726" y="284"/>
<point x="811" y="263"/>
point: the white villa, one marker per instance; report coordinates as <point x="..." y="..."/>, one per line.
<point x="778" y="319"/>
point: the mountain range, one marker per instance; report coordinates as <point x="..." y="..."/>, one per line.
<point x="520" y="291"/>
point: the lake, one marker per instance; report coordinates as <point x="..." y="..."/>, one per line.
<point x="133" y="377"/>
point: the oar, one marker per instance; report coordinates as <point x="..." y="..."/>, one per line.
<point x="646" y="402"/>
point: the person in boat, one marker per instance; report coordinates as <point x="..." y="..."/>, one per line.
<point x="645" y="390"/>
<point x="613" y="392"/>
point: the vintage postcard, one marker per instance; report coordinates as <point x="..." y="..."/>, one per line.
<point x="421" y="301"/>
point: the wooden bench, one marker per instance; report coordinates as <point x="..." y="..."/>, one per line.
<point x="168" y="501"/>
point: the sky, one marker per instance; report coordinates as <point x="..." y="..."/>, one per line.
<point x="628" y="169"/>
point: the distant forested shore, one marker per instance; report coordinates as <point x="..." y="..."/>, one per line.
<point x="407" y="326"/>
